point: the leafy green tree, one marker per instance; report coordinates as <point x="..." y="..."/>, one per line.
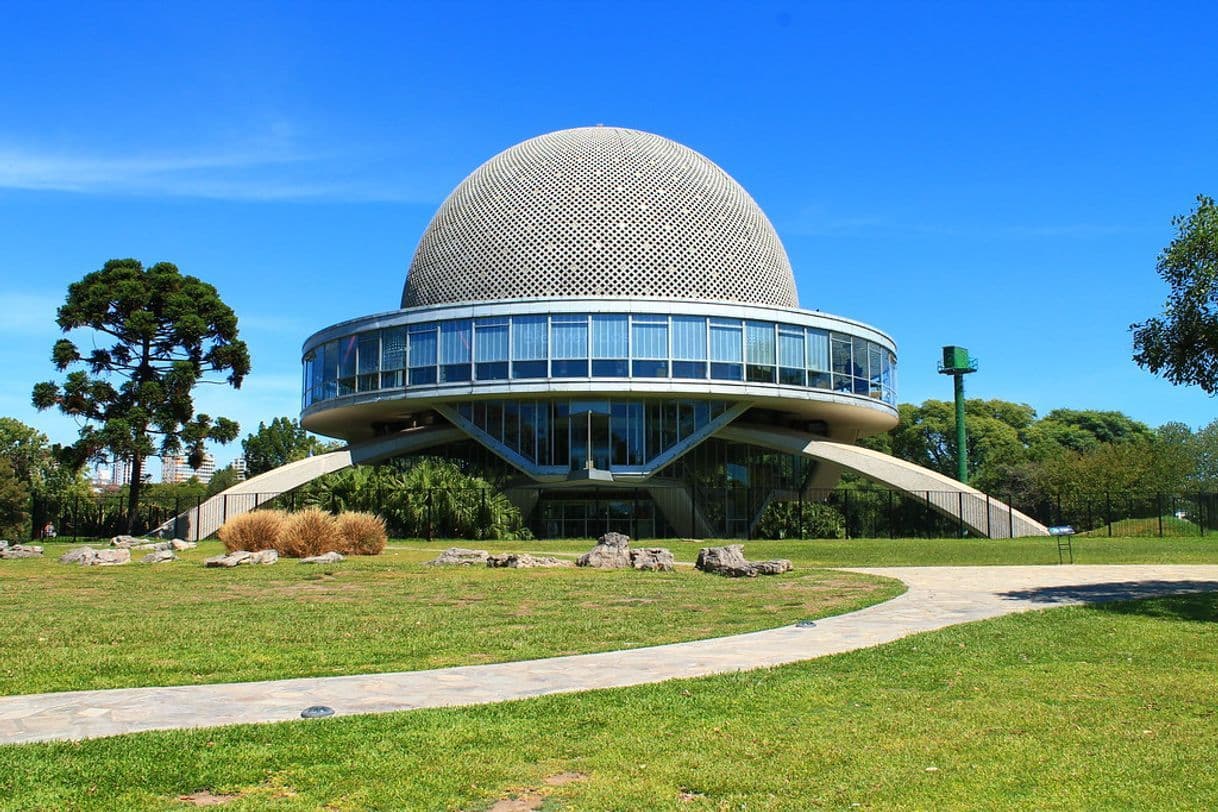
<point x="166" y="331"/>
<point x="35" y="464"/>
<point x="1181" y="344"/>
<point x="283" y="441"/>
<point x="222" y="480"/>
<point x="14" y="502"/>
<point x="1085" y="430"/>
<point x="926" y="435"/>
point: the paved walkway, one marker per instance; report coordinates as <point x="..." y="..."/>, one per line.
<point x="937" y="597"/>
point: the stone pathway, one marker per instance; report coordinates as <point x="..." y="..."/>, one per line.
<point x="937" y="597"/>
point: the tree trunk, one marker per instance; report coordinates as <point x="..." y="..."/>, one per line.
<point x="133" y="492"/>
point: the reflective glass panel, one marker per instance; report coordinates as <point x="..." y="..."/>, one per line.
<point x="529" y="338"/>
<point x="570" y="336"/>
<point x="688" y="338"/>
<point x="423" y="354"/>
<point x="649" y="336"/>
<point x="393" y="348"/>
<point x="610" y="336"/>
<point x="818" y="350"/>
<point x="346" y="356"/>
<point x="726" y="341"/>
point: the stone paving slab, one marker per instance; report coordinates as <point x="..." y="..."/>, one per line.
<point x="937" y="597"/>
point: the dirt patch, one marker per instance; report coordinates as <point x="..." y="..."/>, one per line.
<point x="524" y="609"/>
<point x="206" y="798"/>
<point x="562" y="779"/>
<point x="528" y="802"/>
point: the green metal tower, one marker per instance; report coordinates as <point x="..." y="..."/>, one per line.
<point x="957" y="363"/>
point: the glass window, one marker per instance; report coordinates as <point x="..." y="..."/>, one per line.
<point x="791" y="356"/>
<point x="688" y="347"/>
<point x="529" y="345"/>
<point x="346" y="365"/>
<point x="875" y="370"/>
<point x="393" y="356"/>
<point x="759" y="338"/>
<point x="649" y="341"/>
<point x="330" y="370"/>
<point x="569" y="335"/>
<point x="610" y="346"/>
<point x="422" y="354"/>
<point x="839" y="348"/>
<point x="456" y="349"/>
<point x="859" y="368"/>
<point x="491" y="349"/>
<point x="726" y="350"/>
<point x="369" y="361"/>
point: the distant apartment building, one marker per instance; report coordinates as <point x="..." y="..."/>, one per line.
<point x="176" y="468"/>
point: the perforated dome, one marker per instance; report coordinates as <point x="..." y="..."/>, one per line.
<point x="599" y="211"/>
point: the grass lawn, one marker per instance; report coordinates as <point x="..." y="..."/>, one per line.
<point x="900" y="552"/>
<point x="1107" y="707"/>
<point x="73" y="628"/>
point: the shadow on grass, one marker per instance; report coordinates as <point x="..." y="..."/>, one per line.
<point x="1181" y="600"/>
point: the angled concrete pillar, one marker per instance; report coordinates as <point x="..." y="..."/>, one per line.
<point x="981" y="514"/>
<point x="205" y="519"/>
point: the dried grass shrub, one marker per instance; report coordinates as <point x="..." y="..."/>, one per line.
<point x="253" y="531"/>
<point x="309" y="532"/>
<point x="361" y="533"/>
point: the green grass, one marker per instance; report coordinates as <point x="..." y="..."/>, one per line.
<point x="1171" y="526"/>
<point x="1077" y="708"/>
<point x="905" y="552"/>
<point x="74" y="628"/>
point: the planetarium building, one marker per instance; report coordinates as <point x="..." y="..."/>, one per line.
<point x="606" y="321"/>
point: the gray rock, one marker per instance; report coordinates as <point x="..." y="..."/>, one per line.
<point x="262" y="557"/>
<point x="730" y="561"/>
<point x="124" y="541"/>
<point x="776" y="567"/>
<point x="179" y="545"/>
<point x="21" y="551"/>
<point x="81" y="555"/>
<point x="4" y="544"/>
<point x="524" y="561"/>
<point x="612" y="552"/>
<point x="231" y="560"/>
<point x="653" y="559"/>
<point x="460" y="556"/>
<point x="110" y="558"/>
<point x="153" y="545"/>
<point x="159" y="557"/>
<point x="324" y="558"/>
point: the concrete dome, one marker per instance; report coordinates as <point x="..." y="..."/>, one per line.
<point x="599" y="211"/>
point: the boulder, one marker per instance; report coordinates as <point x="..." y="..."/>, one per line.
<point x="159" y="557"/>
<point x="654" y="559"/>
<point x="81" y="555"/>
<point x="21" y="551"/>
<point x="231" y="560"/>
<point x="524" y="561"/>
<point x="110" y="558"/>
<point x="729" y="560"/>
<point x="4" y="544"/>
<point x="179" y="544"/>
<point x="325" y="558"/>
<point x="776" y="567"/>
<point x="460" y="556"/>
<point x="157" y="546"/>
<point x="124" y="541"/>
<point x="262" y="557"/>
<point x="612" y="552"/>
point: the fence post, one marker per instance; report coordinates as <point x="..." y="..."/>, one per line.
<point x="960" y="512"/>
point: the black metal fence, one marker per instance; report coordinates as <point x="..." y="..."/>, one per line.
<point x="737" y="512"/>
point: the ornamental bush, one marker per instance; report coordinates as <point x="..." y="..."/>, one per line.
<point x="361" y="533"/>
<point x="309" y="532"/>
<point x="253" y="531"/>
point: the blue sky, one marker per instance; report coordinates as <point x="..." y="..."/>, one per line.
<point x="999" y="176"/>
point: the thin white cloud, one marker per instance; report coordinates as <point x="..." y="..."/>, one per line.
<point x="262" y="174"/>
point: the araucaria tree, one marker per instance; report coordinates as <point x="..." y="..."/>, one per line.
<point x="1182" y="343"/>
<point x="166" y="332"/>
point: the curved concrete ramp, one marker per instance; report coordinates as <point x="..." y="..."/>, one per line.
<point x="981" y="514"/>
<point x="201" y="521"/>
